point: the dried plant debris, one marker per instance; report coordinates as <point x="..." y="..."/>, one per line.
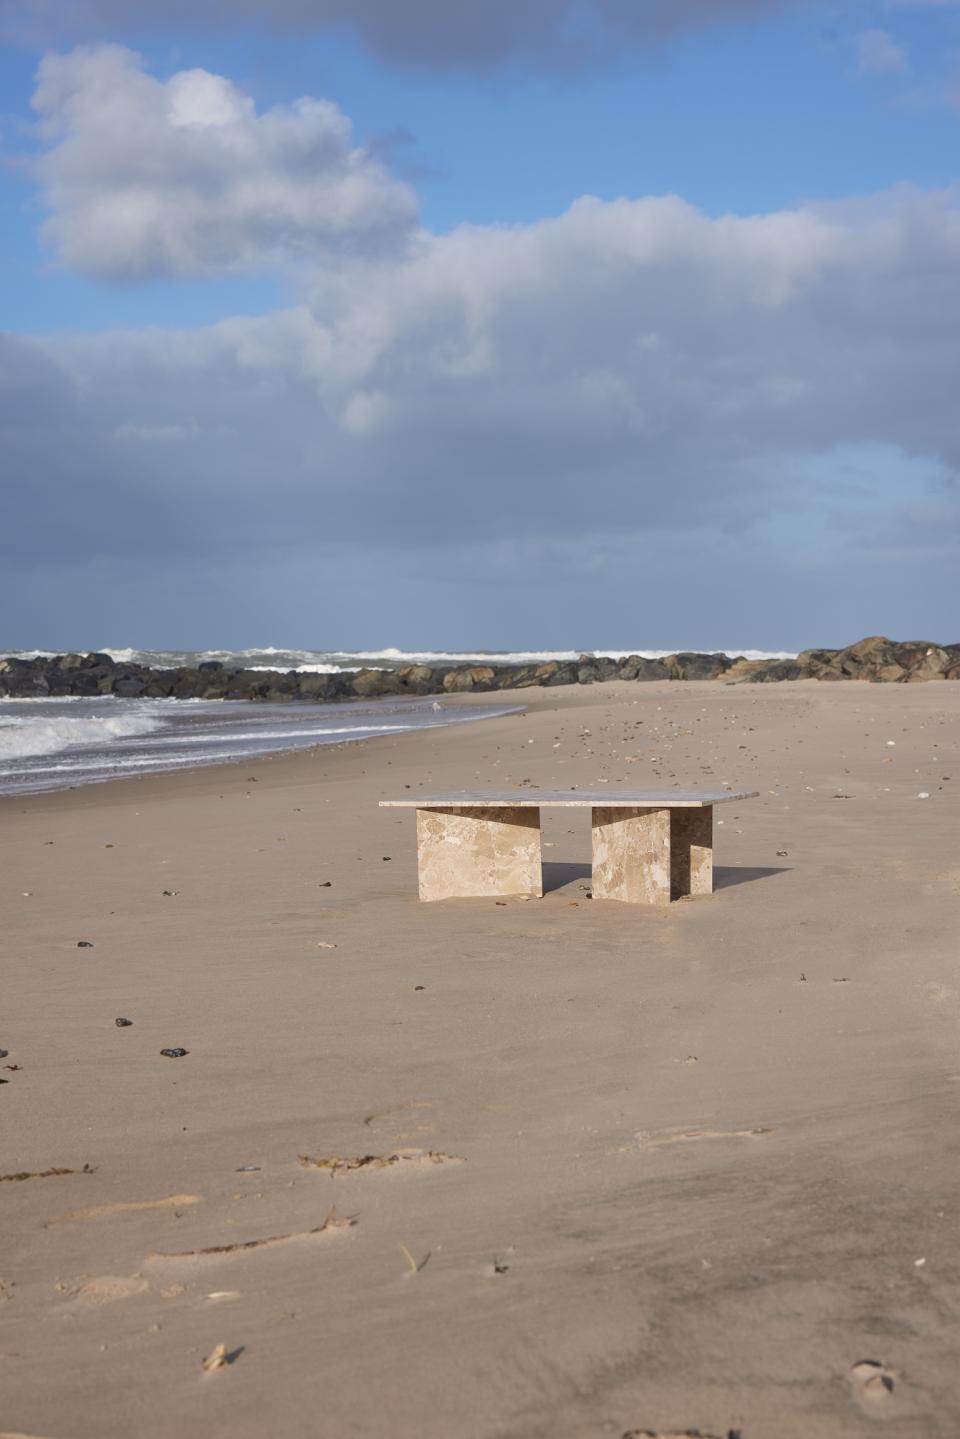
<point x="414" y="1266"/>
<point x="43" y="1174"/>
<point x="332" y="1222"/>
<point x="678" y="1434"/>
<point x="339" y="1164"/>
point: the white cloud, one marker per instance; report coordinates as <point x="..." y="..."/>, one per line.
<point x="627" y="379"/>
<point x="634" y="360"/>
<point x="878" y="53"/>
<point x="183" y="177"/>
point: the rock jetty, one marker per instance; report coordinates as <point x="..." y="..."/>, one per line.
<point x="876" y="659"/>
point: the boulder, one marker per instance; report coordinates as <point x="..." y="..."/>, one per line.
<point x="467" y="678"/>
<point x="690" y="666"/>
<point x="510" y="678"/>
<point x="562" y="675"/>
<point x="129" y="686"/>
<point x="772" y="671"/>
<point x="367" y="683"/>
<point x="544" y="673"/>
<point x="321" y="687"/>
<point x="594" y="669"/>
<point x="418" y="679"/>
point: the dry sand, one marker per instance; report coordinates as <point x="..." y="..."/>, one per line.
<point x="659" y="1170"/>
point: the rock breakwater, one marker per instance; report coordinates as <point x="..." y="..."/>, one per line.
<point x="876" y="659"/>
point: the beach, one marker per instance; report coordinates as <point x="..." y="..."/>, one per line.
<point x="624" y="1169"/>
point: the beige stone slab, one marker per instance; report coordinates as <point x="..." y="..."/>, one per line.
<point x="691" y="852"/>
<point x="463" y="852"/>
<point x="631" y="855"/>
<point x="571" y="799"/>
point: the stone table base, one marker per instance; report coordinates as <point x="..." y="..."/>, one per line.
<point x="691" y="851"/>
<point x="631" y="855"/>
<point x="464" y="852"/>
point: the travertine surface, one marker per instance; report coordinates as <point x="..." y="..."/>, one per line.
<point x="571" y="799"/>
<point x="631" y="855"/>
<point x="463" y="852"/>
<point x="691" y="852"/>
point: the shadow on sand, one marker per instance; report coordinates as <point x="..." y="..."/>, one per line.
<point x="557" y="874"/>
<point x="725" y="876"/>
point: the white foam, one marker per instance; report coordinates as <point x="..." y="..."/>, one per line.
<point x="34" y="735"/>
<point x="303" y="661"/>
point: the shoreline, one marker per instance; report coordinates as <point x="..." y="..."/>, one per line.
<point x="658" y="1170"/>
<point x="168" y="743"/>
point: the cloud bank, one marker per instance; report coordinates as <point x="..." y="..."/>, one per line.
<point x="633" y="367"/>
<point x="434" y="33"/>
<point x="146" y="177"/>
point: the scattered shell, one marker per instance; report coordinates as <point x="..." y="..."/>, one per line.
<point x="216" y="1359"/>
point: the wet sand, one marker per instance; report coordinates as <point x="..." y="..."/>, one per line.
<point x="642" y="1169"/>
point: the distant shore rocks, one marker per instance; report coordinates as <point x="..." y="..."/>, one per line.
<point x="875" y="659"/>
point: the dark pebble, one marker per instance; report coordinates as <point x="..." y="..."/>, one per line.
<point x="85" y="944"/>
<point x="174" y="1053"/>
<point x="4" y="1053"/>
<point x="324" y="884"/>
<point x="122" y="1023"/>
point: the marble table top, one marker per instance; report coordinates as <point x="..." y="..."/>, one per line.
<point x="571" y="799"/>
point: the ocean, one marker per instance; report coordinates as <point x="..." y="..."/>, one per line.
<point x="48" y="744"/>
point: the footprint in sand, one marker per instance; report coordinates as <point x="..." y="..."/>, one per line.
<point x="689" y="1136"/>
<point x="105" y="1289"/>
<point x="402" y="1121"/>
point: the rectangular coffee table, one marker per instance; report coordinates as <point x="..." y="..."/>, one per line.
<point x="649" y="847"/>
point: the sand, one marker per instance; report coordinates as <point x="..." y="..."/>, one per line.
<point x="631" y="1169"/>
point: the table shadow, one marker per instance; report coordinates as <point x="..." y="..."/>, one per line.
<point x="725" y="876"/>
<point x="556" y="874"/>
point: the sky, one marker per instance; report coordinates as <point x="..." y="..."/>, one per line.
<point x="533" y="324"/>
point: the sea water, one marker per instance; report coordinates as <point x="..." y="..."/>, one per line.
<point x="50" y="744"/>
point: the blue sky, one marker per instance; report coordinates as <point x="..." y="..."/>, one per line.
<point x="431" y="364"/>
